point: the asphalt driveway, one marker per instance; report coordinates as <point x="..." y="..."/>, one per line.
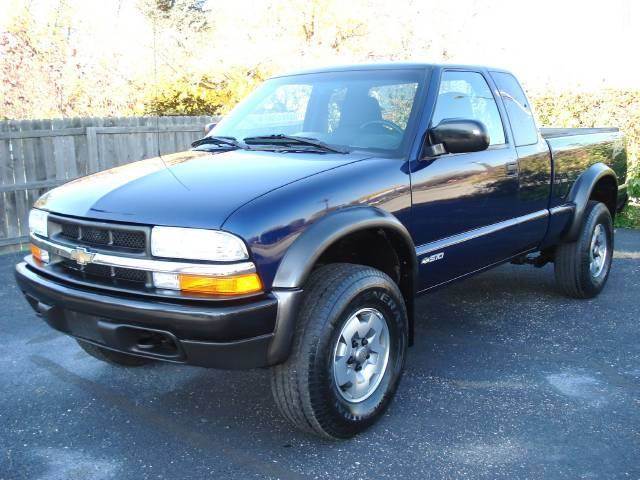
<point x="507" y="379"/>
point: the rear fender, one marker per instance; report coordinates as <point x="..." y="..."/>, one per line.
<point x="581" y="193"/>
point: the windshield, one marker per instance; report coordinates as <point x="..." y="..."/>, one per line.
<point x="367" y="110"/>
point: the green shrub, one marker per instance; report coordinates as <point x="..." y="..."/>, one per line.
<point x="605" y="108"/>
<point x="629" y="217"/>
<point x="205" y="96"/>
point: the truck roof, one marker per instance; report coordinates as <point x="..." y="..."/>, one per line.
<point x="386" y="66"/>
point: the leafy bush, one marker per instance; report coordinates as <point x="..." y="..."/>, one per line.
<point x="629" y="217"/>
<point x="205" y="96"/>
<point x="605" y="108"/>
<point x="634" y="184"/>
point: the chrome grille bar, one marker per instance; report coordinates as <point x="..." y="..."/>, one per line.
<point x="150" y="265"/>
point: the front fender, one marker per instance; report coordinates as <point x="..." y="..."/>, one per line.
<point x="301" y="256"/>
<point x="299" y="259"/>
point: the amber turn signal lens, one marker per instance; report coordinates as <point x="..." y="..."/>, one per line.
<point x="38" y="254"/>
<point x="225" y="286"/>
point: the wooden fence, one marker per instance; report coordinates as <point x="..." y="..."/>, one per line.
<point x="37" y="155"/>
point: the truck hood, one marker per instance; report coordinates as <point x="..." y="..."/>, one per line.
<point x="190" y="189"/>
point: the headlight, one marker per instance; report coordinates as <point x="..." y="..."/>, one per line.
<point x="38" y="222"/>
<point x="197" y="244"/>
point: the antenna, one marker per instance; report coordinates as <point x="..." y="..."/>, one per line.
<point x="155" y="77"/>
<point x="155" y="88"/>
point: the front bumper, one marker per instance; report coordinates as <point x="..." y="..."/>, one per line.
<point x="242" y="335"/>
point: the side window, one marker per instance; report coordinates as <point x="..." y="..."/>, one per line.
<point x="467" y="95"/>
<point x="518" y="109"/>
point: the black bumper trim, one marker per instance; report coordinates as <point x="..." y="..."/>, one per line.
<point x="235" y="336"/>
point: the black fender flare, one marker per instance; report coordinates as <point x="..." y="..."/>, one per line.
<point x="581" y="192"/>
<point x="302" y="254"/>
<point x="299" y="259"/>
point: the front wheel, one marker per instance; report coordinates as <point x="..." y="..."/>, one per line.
<point x="348" y="352"/>
<point x="582" y="267"/>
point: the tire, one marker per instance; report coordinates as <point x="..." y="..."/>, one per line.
<point x="306" y="386"/>
<point x="113" y="357"/>
<point x="574" y="262"/>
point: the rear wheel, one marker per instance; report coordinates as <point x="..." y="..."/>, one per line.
<point x="582" y="267"/>
<point x="111" y="356"/>
<point x="348" y="352"/>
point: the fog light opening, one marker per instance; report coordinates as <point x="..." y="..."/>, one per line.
<point x="157" y="343"/>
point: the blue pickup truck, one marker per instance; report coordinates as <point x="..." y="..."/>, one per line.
<point x="297" y="234"/>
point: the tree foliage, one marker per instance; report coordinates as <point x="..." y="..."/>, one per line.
<point x="605" y="108"/>
<point x="188" y="57"/>
<point x="208" y="96"/>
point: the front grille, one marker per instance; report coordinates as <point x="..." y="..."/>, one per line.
<point x="70" y="231"/>
<point x="111" y="237"/>
<point x="104" y="273"/>
<point x="114" y="239"/>
<point x="128" y="239"/>
<point x="130" y="274"/>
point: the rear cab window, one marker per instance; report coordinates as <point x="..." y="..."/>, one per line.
<point x="518" y="109"/>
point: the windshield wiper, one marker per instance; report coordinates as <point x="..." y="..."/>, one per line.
<point x="220" y="141"/>
<point x="291" y="140"/>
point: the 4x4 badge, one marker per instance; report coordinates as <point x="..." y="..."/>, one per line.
<point x="82" y="256"/>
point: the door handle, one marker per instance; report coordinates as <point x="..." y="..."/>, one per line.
<point x="512" y="168"/>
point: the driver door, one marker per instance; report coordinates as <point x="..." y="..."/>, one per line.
<point x="461" y="201"/>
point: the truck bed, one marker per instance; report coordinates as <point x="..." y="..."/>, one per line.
<point x="576" y="149"/>
<point x="571" y="132"/>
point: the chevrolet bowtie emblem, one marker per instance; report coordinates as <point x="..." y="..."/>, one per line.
<point x="82" y="256"/>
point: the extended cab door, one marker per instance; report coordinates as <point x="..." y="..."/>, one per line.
<point x="534" y="158"/>
<point x="466" y="213"/>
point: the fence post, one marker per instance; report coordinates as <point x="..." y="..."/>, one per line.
<point x="92" y="149"/>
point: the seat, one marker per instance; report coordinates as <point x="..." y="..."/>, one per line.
<point x="357" y="110"/>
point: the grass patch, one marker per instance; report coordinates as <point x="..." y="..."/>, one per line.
<point x="629" y="217"/>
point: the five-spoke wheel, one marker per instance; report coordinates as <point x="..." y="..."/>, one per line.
<point x="361" y="354"/>
<point x="348" y="352"/>
<point x="582" y="266"/>
<point x="598" y="250"/>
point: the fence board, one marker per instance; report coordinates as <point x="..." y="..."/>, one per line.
<point x="47" y="153"/>
<point x="33" y="174"/>
<point x="5" y="158"/>
<point x="42" y="133"/>
<point x="11" y="220"/>
<point x="81" y="151"/>
<point x="37" y="155"/>
<point x="151" y="148"/>
<point x="15" y="187"/>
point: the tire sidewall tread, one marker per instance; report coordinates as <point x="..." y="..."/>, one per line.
<point x="332" y="292"/>
<point x="572" y="259"/>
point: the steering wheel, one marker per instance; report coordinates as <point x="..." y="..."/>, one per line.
<point x="386" y="124"/>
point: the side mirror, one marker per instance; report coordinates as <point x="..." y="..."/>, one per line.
<point x="457" y="135"/>
<point x="208" y="127"/>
